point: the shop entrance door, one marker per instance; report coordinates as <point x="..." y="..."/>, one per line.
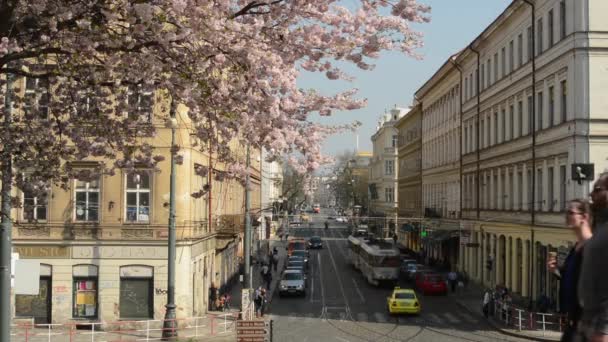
<point x="36" y="306"/>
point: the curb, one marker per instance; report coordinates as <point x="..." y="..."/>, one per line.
<point x="500" y="329"/>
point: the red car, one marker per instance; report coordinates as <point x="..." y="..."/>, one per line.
<point x="431" y="283"/>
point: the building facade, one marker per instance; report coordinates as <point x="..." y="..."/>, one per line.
<point x="272" y="193"/>
<point x="410" y="177"/>
<point x="525" y="101"/>
<point x="384" y="168"/>
<point x="102" y="242"/>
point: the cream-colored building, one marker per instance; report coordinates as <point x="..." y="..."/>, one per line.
<point x="102" y="242"/>
<point x="383" y="167"/>
<point x="515" y="181"/>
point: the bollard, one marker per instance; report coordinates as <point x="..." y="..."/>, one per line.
<point x="93" y="332"/>
<point x="49" y="332"/>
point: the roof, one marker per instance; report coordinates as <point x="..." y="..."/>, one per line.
<point x="397" y="289"/>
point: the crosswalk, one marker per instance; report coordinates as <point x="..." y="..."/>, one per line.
<point x="434" y="318"/>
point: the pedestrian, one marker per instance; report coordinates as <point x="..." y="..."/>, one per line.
<point x="395" y="238"/>
<point x="212" y="297"/>
<point x="593" y="282"/>
<point x="275" y="259"/>
<point x="578" y="218"/>
<point x="465" y="279"/>
<point x="452" y="277"/>
<point x="286" y="236"/>
<point x="263" y="301"/>
<point x="268" y="280"/>
<point x="257" y="301"/>
<point x="486" y="303"/>
<point x="227" y="299"/>
<point x="264" y="270"/>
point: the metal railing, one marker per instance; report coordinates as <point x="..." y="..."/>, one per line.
<point x="145" y="330"/>
<point x="522" y="319"/>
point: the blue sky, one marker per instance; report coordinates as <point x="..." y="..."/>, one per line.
<point x="396" y="77"/>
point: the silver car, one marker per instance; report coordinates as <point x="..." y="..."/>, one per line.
<point x="292" y="282"/>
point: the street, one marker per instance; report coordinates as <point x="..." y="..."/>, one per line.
<point x="341" y="306"/>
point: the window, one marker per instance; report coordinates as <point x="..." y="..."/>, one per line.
<point x="511" y="57"/>
<point x="551" y="106"/>
<point x="550" y="28"/>
<point x="520" y="50"/>
<point x="488" y="198"/>
<point x="495" y="199"/>
<point x="87" y="200"/>
<point x="530" y="114"/>
<point x="495" y="68"/>
<point x="136" y="292"/>
<point x="564" y="101"/>
<point x="530" y="44"/>
<point x="562" y="187"/>
<point x="139" y="101"/>
<point x="389" y="195"/>
<point x="466" y="88"/>
<point x="489" y="72"/>
<point x="562" y="19"/>
<point x="483" y="77"/>
<point x="550" y="194"/>
<point x="503" y="62"/>
<point x="539" y="115"/>
<point x="84" y="291"/>
<point x="394" y="141"/>
<point x="520" y="117"/>
<point x="138" y="197"/>
<point x="36" y="100"/>
<point x="34" y="207"/>
<point x="530" y="189"/>
<point x="389" y="167"/>
<point x="495" y="139"/>
<point x="483" y="133"/>
<point x="503" y="193"/>
<point x="539" y="36"/>
<point x="539" y="189"/>
<point x="476" y="89"/>
<point x="466" y="139"/>
<point x="471" y="85"/>
<point x="503" y="119"/>
<point x="37" y="306"/>
<point x="85" y="103"/>
<point x="520" y="190"/>
<point x="489" y="131"/>
<point x="511" y="122"/>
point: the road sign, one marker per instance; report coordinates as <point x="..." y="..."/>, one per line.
<point x="253" y="331"/>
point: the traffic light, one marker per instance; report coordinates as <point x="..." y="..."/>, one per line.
<point x="423" y="232"/>
<point x="489" y="265"/>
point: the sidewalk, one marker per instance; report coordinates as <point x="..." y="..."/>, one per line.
<point x="257" y="280"/>
<point x="470" y="299"/>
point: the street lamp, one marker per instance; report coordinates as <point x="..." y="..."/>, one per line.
<point x="170" y="321"/>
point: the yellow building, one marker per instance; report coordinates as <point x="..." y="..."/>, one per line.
<point x="102" y="243"/>
<point x="409" y="162"/>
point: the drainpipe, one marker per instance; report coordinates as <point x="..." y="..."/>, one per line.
<point x="533" y="202"/>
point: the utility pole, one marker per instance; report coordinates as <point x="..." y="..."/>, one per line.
<point x="170" y="322"/>
<point x="248" y="278"/>
<point x="6" y="227"/>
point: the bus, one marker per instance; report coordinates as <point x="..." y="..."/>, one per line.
<point x="377" y="259"/>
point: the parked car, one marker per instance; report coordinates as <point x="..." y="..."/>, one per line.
<point x="413" y="269"/>
<point x="405" y="265"/>
<point x="431" y="283"/>
<point x="315" y="242"/>
<point x="292" y="282"/>
<point x="302" y="254"/>
<point x="294" y="264"/>
<point x="403" y="301"/>
<point x="296" y="244"/>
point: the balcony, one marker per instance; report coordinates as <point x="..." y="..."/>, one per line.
<point x="390" y="150"/>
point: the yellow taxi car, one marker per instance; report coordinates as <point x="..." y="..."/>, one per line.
<point x="403" y="301"/>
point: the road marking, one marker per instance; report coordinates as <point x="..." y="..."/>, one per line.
<point x="358" y="290"/>
<point x="379" y="316"/>
<point x="451" y="318"/>
<point x="312" y="281"/>
<point x="361" y="317"/>
<point x="321" y="280"/>
<point x="333" y="261"/>
<point x="434" y="318"/>
<point x="469" y="318"/>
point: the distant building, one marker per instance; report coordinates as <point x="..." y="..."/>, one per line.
<point x="272" y="191"/>
<point x="383" y="182"/>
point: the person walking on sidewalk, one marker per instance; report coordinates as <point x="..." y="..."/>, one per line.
<point x="452" y="278"/>
<point x="275" y="259"/>
<point x="486" y="303"/>
<point x="268" y="279"/>
<point x="263" y="301"/>
<point x="578" y="218"/>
